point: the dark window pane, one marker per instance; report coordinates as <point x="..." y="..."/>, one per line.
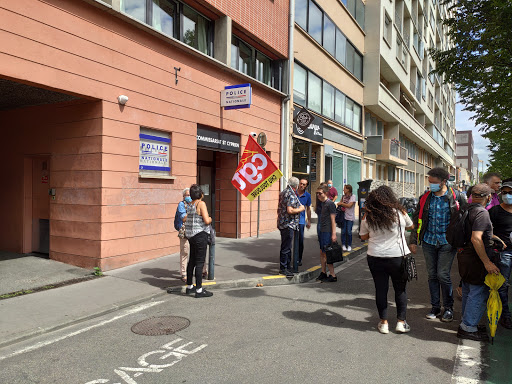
<point x="341" y="47"/>
<point x="245" y="59"/>
<point x="195" y="30"/>
<point x="262" y="68"/>
<point x="329" y="36"/>
<point x="351" y="5"/>
<point x="135" y="8"/>
<point x="299" y="85"/>
<point x="328" y="100"/>
<point x="360" y="13"/>
<point x="358" y="66"/>
<point x="315" y="22"/>
<point x="350" y="58"/>
<point x="163" y="16"/>
<point x="314" y="93"/>
<point x="301" y="13"/>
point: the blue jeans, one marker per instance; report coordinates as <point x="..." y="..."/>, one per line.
<point x="505" y="267"/>
<point x="474" y="305"/>
<point x="439" y="260"/>
<point x="346" y="233"/>
<point x="285" y="255"/>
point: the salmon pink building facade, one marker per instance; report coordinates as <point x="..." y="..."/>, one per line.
<point x="109" y="109"/>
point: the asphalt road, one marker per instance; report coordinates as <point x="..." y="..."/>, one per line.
<point x="313" y="332"/>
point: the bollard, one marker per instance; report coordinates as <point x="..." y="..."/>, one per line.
<point x="211" y="261"/>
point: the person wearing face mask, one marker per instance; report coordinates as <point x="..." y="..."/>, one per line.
<point x="501" y="218"/>
<point x="333" y="192"/>
<point x="181" y="213"/>
<point x="474" y="264"/>
<point x="493" y="180"/>
<point x="431" y="219"/>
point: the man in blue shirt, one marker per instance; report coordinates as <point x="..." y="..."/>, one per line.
<point x="431" y="219"/>
<point x="305" y="200"/>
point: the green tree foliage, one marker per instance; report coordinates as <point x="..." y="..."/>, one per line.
<point x="480" y="65"/>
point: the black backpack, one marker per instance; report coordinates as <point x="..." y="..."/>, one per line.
<point x="458" y="233"/>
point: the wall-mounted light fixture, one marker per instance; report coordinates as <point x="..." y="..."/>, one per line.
<point x="122" y="99"/>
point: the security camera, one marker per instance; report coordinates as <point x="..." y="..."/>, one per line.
<point x="254" y="134"/>
<point x="122" y="99"/>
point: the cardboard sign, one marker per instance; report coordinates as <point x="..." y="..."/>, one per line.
<point x="256" y="171"/>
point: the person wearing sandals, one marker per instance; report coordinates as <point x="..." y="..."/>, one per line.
<point x="384" y="226"/>
<point x="197" y="228"/>
<point x="327" y="233"/>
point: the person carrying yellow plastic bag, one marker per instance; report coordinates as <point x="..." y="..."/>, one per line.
<point x="494" y="305"/>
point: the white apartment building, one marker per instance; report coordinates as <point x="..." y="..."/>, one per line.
<point x="409" y="115"/>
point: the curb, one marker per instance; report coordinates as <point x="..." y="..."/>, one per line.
<point x="272" y="280"/>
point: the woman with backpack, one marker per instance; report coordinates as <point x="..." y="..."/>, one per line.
<point x="384" y="226"/>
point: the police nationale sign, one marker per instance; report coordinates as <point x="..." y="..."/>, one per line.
<point x="154" y="153"/>
<point x="236" y="96"/>
<point x="256" y="171"/>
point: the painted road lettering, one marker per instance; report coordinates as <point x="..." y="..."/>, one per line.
<point x="127" y="374"/>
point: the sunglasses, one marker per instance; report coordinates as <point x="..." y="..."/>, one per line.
<point x="319" y="193"/>
<point x="506" y="192"/>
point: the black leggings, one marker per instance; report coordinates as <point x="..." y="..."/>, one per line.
<point x="382" y="268"/>
<point x="198" y="245"/>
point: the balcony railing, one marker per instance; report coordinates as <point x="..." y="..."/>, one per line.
<point x="392" y="153"/>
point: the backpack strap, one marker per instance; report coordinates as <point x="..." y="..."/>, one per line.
<point x="455" y="198"/>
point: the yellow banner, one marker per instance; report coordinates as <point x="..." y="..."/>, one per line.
<point x="265" y="184"/>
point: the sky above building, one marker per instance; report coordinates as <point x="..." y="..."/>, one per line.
<point x="463" y="123"/>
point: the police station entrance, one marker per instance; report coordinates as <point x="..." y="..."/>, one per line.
<point x="217" y="158"/>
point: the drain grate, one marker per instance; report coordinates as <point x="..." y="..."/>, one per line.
<point x="164" y="325"/>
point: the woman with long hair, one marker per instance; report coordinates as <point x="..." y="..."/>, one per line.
<point x="197" y="228"/>
<point x="384" y="226"/>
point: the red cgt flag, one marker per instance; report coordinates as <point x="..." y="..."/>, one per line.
<point x="256" y="171"/>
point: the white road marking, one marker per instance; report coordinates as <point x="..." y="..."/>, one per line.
<point x="468" y="364"/>
<point x="52" y="341"/>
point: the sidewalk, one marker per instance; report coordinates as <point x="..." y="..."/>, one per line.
<point x="238" y="263"/>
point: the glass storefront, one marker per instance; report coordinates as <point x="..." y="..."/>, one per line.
<point x="343" y="169"/>
<point x="304" y="164"/>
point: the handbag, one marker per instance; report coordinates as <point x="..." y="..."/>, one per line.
<point x="181" y="232"/>
<point x="340" y="217"/>
<point x="211" y="236"/>
<point x="334" y="253"/>
<point x="408" y="267"/>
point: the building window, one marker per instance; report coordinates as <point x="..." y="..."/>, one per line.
<point x="373" y="126"/>
<point x="154" y="153"/>
<point x="174" y="19"/>
<point x="250" y="61"/>
<point x="312" y="19"/>
<point x="387" y="28"/>
<point x="356" y="9"/>
<point x="321" y="97"/>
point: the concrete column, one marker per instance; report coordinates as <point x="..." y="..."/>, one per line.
<point x="222" y="40"/>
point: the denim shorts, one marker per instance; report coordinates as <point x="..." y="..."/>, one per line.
<point x="324" y="238"/>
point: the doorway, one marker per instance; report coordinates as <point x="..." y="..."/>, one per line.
<point x="40" y="210"/>
<point x="206" y="179"/>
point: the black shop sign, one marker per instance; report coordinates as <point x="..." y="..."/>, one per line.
<point x="216" y="139"/>
<point x="307" y="125"/>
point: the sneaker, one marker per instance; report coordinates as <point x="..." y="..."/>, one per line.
<point x="289" y="273"/>
<point x="434" y="312"/>
<point x="402" y="327"/>
<point x="299" y="263"/>
<point x="321" y="277"/>
<point x="330" y="279"/>
<point x="282" y="272"/>
<point x="383" y="328"/>
<point x="349" y="248"/>
<point x="190" y="291"/>
<point x="506" y="322"/>
<point x="203" y="293"/>
<point x="447" y="315"/>
<point x="344" y="248"/>
<point x="476" y="336"/>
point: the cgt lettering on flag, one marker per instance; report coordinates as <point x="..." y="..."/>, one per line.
<point x="256" y="172"/>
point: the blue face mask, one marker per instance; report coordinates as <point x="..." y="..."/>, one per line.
<point x="329" y="185"/>
<point x="435" y="187"/>
<point x="507" y="199"/>
<point x="188" y="199"/>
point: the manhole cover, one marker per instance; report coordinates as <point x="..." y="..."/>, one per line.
<point x="164" y="325"/>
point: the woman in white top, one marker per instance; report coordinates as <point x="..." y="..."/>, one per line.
<point x="384" y="226"/>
